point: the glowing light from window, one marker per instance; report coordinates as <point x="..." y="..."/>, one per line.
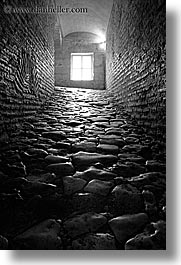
<point x="100" y="37"/>
<point x="102" y="46"/>
<point x="82" y="66"/>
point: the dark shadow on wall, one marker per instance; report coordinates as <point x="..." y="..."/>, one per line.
<point x="136" y="256"/>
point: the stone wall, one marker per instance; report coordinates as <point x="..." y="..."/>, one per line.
<point x="26" y="62"/>
<point x="136" y="61"/>
<point x="79" y="42"/>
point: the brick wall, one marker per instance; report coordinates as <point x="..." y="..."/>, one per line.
<point x="26" y="63"/>
<point x="79" y="42"/>
<point x="136" y="61"/>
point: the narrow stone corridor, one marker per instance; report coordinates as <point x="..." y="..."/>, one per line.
<point x="83" y="125"/>
<point x="81" y="174"/>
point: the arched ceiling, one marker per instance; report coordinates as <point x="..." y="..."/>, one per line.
<point x="94" y="21"/>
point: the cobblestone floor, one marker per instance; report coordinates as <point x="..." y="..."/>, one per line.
<point x="81" y="175"/>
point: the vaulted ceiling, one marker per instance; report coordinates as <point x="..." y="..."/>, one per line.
<point x="94" y="21"/>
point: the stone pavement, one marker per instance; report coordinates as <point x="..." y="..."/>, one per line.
<point x="82" y="175"/>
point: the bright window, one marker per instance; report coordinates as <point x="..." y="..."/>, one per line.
<point x="82" y="66"/>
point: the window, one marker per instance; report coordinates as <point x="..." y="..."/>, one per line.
<point x="82" y="66"/>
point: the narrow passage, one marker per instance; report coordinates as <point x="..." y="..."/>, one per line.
<point x="82" y="175"/>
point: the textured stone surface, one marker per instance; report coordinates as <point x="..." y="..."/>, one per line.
<point x="42" y="236"/>
<point x="150" y="204"/>
<point x="95" y="242"/>
<point x="37" y="152"/>
<point x="137" y="84"/>
<point x="46" y="178"/>
<point x="84" y="146"/>
<point x="108" y="149"/>
<point x="86" y="159"/>
<point x="72" y="185"/>
<point x="95" y="173"/>
<point x="51" y="159"/>
<point x="36" y="187"/>
<point x="155" y="166"/>
<point x="89" y="222"/>
<point x="98" y="187"/>
<point x="126" y="226"/>
<point x="54" y="135"/>
<point x="149" y="178"/>
<point x="86" y="202"/>
<point x="84" y="189"/>
<point x="126" y="199"/>
<point x="61" y="169"/>
<point x="128" y="169"/>
<point x="27" y="84"/>
<point x="112" y="140"/>
<point x="149" y="240"/>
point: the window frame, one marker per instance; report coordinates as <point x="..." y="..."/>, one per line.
<point x="92" y="65"/>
